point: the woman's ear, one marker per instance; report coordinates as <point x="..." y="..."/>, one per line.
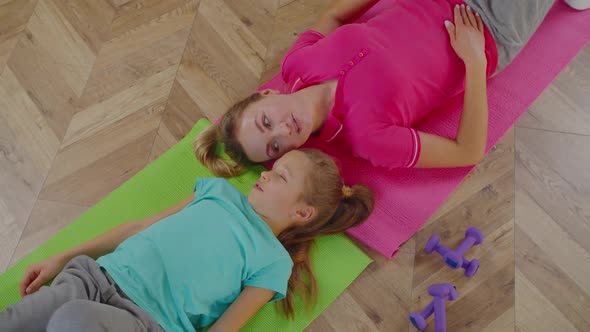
<point x="267" y="92"/>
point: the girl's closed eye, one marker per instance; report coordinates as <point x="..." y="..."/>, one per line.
<point x="280" y="172"/>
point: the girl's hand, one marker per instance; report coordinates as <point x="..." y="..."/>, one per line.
<point x="40" y="273"/>
<point x="467" y="36"/>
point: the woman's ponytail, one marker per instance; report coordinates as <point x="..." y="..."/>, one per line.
<point x="224" y="133"/>
<point x="206" y="153"/>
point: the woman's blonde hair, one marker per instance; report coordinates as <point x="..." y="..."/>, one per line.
<point x="338" y="208"/>
<point x="224" y="132"/>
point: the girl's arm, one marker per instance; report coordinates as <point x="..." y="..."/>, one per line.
<point x="469" y="146"/>
<point x="250" y="300"/>
<point x="341" y="12"/>
<point x="38" y="274"/>
<point x="108" y="241"/>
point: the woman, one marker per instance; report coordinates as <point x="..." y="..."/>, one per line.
<point x="363" y="86"/>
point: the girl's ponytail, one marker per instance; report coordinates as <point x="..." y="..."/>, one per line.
<point x="338" y="208"/>
<point x="354" y="208"/>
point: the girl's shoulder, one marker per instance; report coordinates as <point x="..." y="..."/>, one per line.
<point x="213" y="186"/>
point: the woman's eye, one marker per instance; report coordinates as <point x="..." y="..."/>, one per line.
<point x="266" y="122"/>
<point x="275" y="147"/>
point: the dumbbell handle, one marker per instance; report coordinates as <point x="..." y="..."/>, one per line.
<point x="442" y="249"/>
<point x="464" y="246"/>
<point x="428" y="310"/>
<point x="440" y="317"/>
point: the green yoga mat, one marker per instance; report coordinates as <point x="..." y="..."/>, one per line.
<point x="337" y="261"/>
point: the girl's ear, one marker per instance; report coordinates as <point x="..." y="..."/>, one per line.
<point x="305" y="214"/>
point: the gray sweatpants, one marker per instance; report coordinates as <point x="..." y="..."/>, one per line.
<point x="511" y="22"/>
<point x="83" y="297"/>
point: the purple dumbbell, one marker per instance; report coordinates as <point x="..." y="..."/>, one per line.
<point x="440" y="292"/>
<point x="454" y="258"/>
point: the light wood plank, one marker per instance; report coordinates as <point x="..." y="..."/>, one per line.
<point x="234" y="33"/>
<point x="565" y="252"/>
<point x="43" y="80"/>
<point x="53" y="32"/>
<point x="131" y="39"/>
<point x="292" y="18"/>
<point x="109" y="78"/>
<point x="31" y="129"/>
<point x="20" y="182"/>
<point x="103" y="115"/>
<point x="46" y="219"/>
<point x="14" y="15"/>
<point x="355" y="320"/>
<point x="159" y="148"/>
<point x="89" y="184"/>
<point x="205" y="92"/>
<point x="572" y="301"/>
<point x="91" y="19"/>
<point x="504" y="323"/>
<point x="134" y="14"/>
<point x="535" y="312"/>
<point x="181" y="112"/>
<point x="257" y="15"/>
<point x="551" y="168"/>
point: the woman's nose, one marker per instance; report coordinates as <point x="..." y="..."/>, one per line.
<point x="284" y="129"/>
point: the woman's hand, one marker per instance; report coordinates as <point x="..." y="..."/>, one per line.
<point x="467" y="37"/>
<point x="40" y="273"/>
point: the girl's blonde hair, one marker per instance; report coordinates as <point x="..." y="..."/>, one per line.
<point x="338" y="208"/>
<point x="224" y="132"/>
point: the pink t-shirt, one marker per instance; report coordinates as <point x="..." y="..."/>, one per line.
<point x="392" y="71"/>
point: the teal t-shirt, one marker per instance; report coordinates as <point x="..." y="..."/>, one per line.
<point x="185" y="270"/>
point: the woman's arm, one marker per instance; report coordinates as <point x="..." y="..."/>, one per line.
<point x="341" y="12"/>
<point x="469" y="146"/>
<point x="108" y="241"/>
<point x="250" y="300"/>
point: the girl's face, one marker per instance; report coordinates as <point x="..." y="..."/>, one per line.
<point x="278" y="193"/>
<point x="273" y="126"/>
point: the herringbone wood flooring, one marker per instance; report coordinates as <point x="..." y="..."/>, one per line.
<point x="93" y="90"/>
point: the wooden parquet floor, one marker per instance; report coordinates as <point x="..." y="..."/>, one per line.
<point x="91" y="91"/>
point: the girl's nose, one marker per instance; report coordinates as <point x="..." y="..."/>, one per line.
<point x="264" y="176"/>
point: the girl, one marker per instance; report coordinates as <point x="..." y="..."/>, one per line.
<point x="216" y="257"/>
<point x="363" y="86"/>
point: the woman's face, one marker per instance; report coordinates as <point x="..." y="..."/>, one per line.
<point x="273" y="126"/>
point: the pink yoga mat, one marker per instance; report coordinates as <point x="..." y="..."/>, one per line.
<point x="406" y="198"/>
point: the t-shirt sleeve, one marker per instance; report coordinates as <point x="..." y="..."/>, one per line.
<point x="274" y="277"/>
<point x="390" y="147"/>
<point x="307" y="38"/>
<point x="204" y="185"/>
<point x="215" y="187"/>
